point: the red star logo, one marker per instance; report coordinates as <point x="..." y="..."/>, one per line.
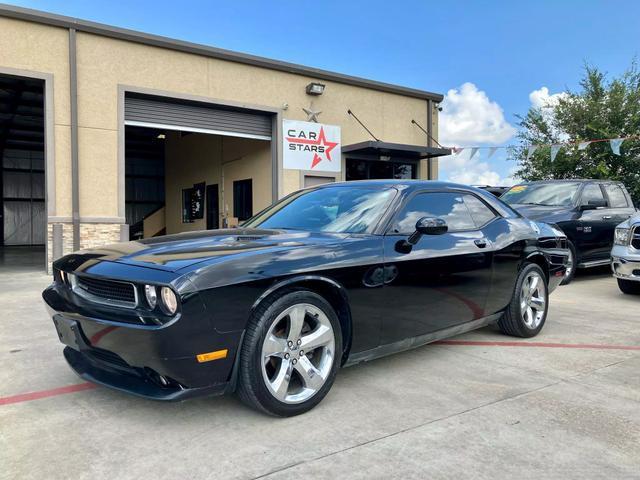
<point x="321" y="140"/>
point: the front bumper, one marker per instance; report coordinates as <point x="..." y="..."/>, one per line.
<point x="625" y="264"/>
<point x="155" y="362"/>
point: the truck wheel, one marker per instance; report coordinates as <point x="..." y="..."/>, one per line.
<point x="527" y="312"/>
<point x="290" y="354"/>
<point x="572" y="264"/>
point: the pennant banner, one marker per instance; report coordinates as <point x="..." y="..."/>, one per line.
<point x="615" y="145"/>
<point x="530" y="151"/>
<point x="473" y="152"/>
<point x="583" y="145"/>
<point x="492" y="150"/>
<point x="554" y="151"/>
<point x="457" y="150"/>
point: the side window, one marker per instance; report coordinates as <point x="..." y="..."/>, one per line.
<point x="617" y="198"/>
<point x="591" y="192"/>
<point x="448" y="206"/>
<point x="480" y="213"/>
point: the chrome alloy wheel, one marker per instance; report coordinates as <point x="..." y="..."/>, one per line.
<point x="533" y="300"/>
<point x="298" y="353"/>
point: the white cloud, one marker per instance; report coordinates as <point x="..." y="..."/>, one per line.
<point x="540" y="98"/>
<point x="469" y="117"/>
<point x="544" y="101"/>
<point x="476" y="172"/>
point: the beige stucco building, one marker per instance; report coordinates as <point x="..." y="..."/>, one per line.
<point x="108" y="134"/>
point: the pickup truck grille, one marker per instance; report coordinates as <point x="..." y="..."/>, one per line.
<point x="106" y="291"/>
<point x="635" y="237"/>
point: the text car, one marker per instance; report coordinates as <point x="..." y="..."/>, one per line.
<point x="326" y="277"/>
<point x="587" y="211"/>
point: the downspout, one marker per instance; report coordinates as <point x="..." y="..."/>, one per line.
<point x="429" y="135"/>
<point x="73" y="91"/>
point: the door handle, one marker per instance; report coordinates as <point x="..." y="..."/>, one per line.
<point x="480" y="243"/>
<point x="606" y="217"/>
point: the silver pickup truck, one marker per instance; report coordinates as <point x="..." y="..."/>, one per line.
<point x="625" y="255"/>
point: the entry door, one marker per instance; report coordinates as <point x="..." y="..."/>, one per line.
<point x="594" y="233"/>
<point x="213" y="207"/>
<point x="443" y="280"/>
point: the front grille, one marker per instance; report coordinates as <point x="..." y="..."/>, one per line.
<point x="635" y="237"/>
<point x="108" y="290"/>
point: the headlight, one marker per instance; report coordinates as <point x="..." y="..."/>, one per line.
<point x="169" y="300"/>
<point x="152" y="296"/>
<point x="621" y="236"/>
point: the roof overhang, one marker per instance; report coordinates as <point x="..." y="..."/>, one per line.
<point x="376" y="148"/>
<point x="46" y="18"/>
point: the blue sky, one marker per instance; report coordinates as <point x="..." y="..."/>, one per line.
<point x="506" y="49"/>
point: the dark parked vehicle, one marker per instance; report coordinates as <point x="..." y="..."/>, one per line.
<point x="587" y="211"/>
<point x="497" y="191"/>
<point x="327" y="277"/>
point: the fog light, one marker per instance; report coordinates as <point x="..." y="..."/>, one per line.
<point x="152" y="296"/>
<point x="169" y="300"/>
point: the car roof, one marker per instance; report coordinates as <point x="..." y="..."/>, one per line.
<point x="570" y="180"/>
<point x="400" y="184"/>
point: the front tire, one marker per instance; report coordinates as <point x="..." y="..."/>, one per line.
<point x="629" y="287"/>
<point x="527" y="312"/>
<point x="290" y="354"/>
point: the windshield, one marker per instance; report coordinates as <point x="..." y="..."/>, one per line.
<point x="549" y="194"/>
<point x="338" y="209"/>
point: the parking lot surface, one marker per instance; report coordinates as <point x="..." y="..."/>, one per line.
<point x="565" y="404"/>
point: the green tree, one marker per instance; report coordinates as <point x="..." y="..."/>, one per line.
<point x="601" y="108"/>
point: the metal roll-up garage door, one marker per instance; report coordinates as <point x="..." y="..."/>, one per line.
<point x="170" y="114"/>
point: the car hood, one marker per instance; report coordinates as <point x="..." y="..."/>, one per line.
<point x="179" y="251"/>
<point x="631" y="221"/>
<point x="543" y="213"/>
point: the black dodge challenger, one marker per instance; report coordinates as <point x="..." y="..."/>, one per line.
<point x="327" y="277"/>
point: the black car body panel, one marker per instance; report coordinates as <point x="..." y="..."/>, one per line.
<point x="590" y="230"/>
<point x="387" y="298"/>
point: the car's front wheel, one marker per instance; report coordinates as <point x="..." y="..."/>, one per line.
<point x="628" y="286"/>
<point x="290" y="354"/>
<point x="527" y="311"/>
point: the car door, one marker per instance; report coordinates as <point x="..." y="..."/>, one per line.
<point x="620" y="207"/>
<point x="593" y="227"/>
<point x="443" y="280"/>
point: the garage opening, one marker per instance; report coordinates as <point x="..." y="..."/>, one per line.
<point x="23" y="219"/>
<point x="193" y="166"/>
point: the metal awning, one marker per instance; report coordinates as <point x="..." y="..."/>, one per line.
<point x="399" y="150"/>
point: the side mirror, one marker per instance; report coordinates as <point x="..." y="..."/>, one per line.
<point x="428" y="226"/>
<point x="593" y="204"/>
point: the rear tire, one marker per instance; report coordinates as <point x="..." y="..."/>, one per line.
<point x="572" y="264"/>
<point x="629" y="287"/>
<point x="290" y="355"/>
<point x="527" y="312"/>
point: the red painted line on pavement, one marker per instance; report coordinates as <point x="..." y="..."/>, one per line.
<point x="538" y="345"/>
<point x="27" y="397"/>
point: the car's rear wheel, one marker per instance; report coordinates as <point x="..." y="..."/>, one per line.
<point x="572" y="264"/>
<point x="527" y="312"/>
<point x="290" y="354"/>
<point x="629" y="286"/>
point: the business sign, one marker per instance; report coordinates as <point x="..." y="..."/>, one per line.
<point x="311" y="146"/>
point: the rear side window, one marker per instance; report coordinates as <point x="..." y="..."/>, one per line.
<point x="480" y="213"/>
<point x="617" y="198"/>
<point x="591" y="192"/>
<point x="448" y="206"/>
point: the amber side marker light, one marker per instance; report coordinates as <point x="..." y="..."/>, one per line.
<point x="217" y="355"/>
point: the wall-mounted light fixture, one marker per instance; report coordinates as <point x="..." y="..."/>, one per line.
<point x="315" y="88"/>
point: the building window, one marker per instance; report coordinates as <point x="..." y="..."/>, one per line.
<point x="243" y="199"/>
<point x="187" y="194"/>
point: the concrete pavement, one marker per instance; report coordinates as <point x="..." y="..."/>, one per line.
<point x="440" y="411"/>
